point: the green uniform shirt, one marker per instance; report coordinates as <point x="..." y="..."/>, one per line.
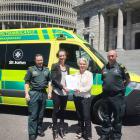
<point x="37" y="78"/>
<point x="113" y="77"/>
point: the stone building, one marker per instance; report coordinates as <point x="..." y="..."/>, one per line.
<point x="37" y="13"/>
<point x="109" y="24"/>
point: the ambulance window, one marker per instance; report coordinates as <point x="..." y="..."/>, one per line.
<point x="93" y="67"/>
<point x="21" y="56"/>
<point x="73" y="53"/>
<point x="2" y="56"/>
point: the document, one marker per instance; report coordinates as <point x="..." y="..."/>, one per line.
<point x="71" y="82"/>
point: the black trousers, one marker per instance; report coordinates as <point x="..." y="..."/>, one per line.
<point x="83" y="112"/>
<point x="113" y="105"/>
<point x="36" y="107"/>
<point x="59" y="103"/>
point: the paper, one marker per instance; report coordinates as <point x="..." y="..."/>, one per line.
<point x="71" y="82"/>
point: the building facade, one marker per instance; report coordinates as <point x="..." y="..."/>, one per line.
<point x="110" y="24"/>
<point x="37" y="13"/>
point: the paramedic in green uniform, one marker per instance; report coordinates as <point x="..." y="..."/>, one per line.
<point x="115" y="78"/>
<point x="36" y="81"/>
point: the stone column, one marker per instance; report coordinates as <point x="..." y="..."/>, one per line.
<point x="120" y="30"/>
<point x="94" y="25"/>
<point x="101" y="32"/>
<point x="3" y="26"/>
<point x="80" y="26"/>
<point x="128" y="29"/>
<point x="21" y="26"/>
<point x="111" y="16"/>
<point x="106" y="40"/>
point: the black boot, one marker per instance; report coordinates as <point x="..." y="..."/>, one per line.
<point x="104" y="137"/>
<point x="55" y="134"/>
<point x="61" y="133"/>
<point x="88" y="130"/>
<point x="61" y="129"/>
<point x="32" y="137"/>
<point x="79" y="128"/>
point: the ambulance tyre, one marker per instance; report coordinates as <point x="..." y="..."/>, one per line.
<point x="97" y="111"/>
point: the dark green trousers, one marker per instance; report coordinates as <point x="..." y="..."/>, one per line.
<point x="36" y="107"/>
<point x="113" y="105"/>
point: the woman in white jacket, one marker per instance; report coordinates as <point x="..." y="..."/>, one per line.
<point x="82" y="99"/>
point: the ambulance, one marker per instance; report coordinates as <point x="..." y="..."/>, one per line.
<point x="18" y="48"/>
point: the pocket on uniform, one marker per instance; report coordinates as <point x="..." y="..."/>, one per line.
<point x="35" y="73"/>
<point x="46" y="73"/>
<point x="32" y="94"/>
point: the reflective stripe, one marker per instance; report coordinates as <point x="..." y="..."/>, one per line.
<point x="41" y="37"/>
<point x="13" y="85"/>
<point x="13" y="75"/>
<point x="13" y="93"/>
<point x="14" y="101"/>
<point x="51" y="35"/>
<point x="45" y="34"/>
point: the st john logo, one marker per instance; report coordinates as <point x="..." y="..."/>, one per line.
<point x="18" y="54"/>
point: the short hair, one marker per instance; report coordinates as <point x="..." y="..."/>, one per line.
<point x="114" y="51"/>
<point x="83" y="59"/>
<point x="37" y="55"/>
<point x="61" y="50"/>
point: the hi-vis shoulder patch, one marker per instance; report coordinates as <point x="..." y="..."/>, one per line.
<point x="123" y="68"/>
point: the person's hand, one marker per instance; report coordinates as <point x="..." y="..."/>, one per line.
<point x="76" y="91"/>
<point x="27" y="96"/>
<point x="49" y="95"/>
<point x="66" y="90"/>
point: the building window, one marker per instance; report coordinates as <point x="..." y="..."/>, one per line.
<point x="86" y="22"/>
<point x="86" y="37"/>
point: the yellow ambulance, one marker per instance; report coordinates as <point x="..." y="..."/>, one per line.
<point x="18" y="48"/>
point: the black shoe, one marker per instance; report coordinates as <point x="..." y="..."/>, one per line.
<point x="55" y="134"/>
<point x="112" y="137"/>
<point x="32" y="137"/>
<point x="61" y="133"/>
<point x="41" y="133"/>
<point x="104" y="137"/>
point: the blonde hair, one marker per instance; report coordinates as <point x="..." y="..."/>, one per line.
<point x="83" y="59"/>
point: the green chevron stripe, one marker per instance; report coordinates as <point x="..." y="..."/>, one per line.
<point x="97" y="79"/>
<point x="13" y="85"/>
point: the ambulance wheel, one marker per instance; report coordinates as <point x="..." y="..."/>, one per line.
<point x="97" y="113"/>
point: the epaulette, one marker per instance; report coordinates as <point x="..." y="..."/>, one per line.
<point x="123" y="68"/>
<point x="31" y="68"/>
<point x="121" y="65"/>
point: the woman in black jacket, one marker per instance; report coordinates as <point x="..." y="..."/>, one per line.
<point x="59" y="95"/>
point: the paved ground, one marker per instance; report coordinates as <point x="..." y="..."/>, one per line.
<point x="13" y="126"/>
